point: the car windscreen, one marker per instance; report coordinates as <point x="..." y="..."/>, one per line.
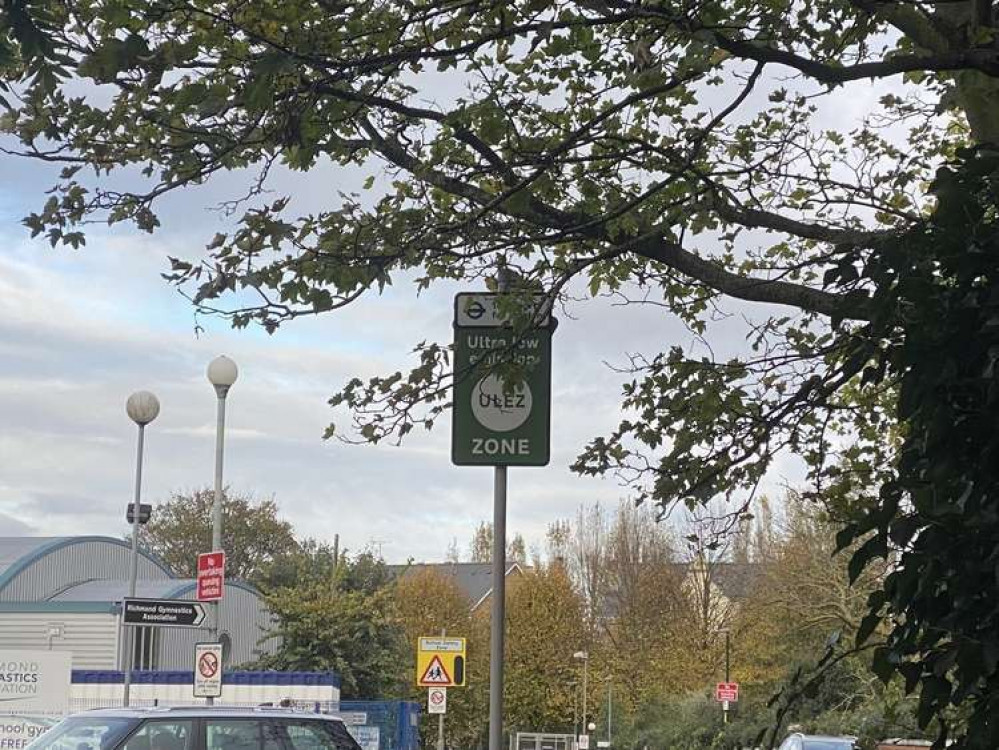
<point x="84" y="733"/>
<point x="827" y="745"/>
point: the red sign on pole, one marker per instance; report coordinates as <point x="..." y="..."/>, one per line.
<point x="211" y="576"/>
<point x="727" y="692"/>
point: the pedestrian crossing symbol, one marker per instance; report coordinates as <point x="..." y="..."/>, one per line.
<point x="440" y="662"/>
<point x="435" y="673"/>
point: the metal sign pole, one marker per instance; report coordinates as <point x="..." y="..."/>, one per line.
<point x="498" y="612"/>
<point x="440" y="717"/>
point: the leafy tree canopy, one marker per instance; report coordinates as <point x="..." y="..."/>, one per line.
<point x="344" y="620"/>
<point x="254" y="537"/>
<point x="678" y="151"/>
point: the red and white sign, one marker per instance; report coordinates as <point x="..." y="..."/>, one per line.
<point x="208" y="670"/>
<point x="437" y="700"/>
<point x="211" y="576"/>
<point x="727" y="692"/>
<point x="435" y="674"/>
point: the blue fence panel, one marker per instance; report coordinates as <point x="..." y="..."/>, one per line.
<point x="398" y="722"/>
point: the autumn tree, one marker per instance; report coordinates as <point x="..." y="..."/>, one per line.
<point x="253" y="535"/>
<point x="345" y="622"/>
<point x="545" y="627"/>
<point x="480" y="548"/>
<point x="679" y="153"/>
<point x="431" y="603"/>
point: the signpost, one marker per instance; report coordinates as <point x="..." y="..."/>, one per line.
<point x="440" y="662"/>
<point x="211" y="576"/>
<point x="497" y="422"/>
<point x="727" y="692"/>
<point x="170" y="613"/>
<point x="208" y="670"/>
<point x="437" y="701"/>
<point x="501" y="417"/>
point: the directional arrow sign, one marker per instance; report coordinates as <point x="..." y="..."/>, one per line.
<point x="168" y="613"/>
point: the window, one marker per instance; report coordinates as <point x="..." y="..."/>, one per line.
<point x="246" y="734"/>
<point x="308" y="736"/>
<point x="145" y="643"/>
<point x="84" y="733"/>
<point x="318" y="735"/>
<point x="162" y="735"/>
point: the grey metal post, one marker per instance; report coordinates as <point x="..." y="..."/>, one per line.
<point x="586" y="664"/>
<point x="440" y="717"/>
<point x="498" y="611"/>
<point x="133" y="573"/>
<point x="727" y="674"/>
<point x="217" y="506"/>
<point x="610" y="712"/>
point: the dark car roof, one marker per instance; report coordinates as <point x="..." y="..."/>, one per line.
<point x="201" y="712"/>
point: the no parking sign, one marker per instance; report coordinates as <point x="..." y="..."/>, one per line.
<point x="437" y="700"/>
<point x="208" y="670"/>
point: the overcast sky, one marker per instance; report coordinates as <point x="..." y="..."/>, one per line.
<point x="80" y="330"/>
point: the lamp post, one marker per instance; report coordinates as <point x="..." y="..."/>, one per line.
<point x="142" y="408"/>
<point x="585" y="658"/>
<point x="222" y="373"/>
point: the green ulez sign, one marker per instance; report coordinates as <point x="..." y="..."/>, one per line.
<point x="502" y="388"/>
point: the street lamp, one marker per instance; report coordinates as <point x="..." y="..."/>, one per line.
<point x="142" y="408"/>
<point x="585" y="658"/>
<point x="222" y="373"/>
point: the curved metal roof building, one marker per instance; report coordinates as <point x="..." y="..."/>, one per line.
<point x="64" y="594"/>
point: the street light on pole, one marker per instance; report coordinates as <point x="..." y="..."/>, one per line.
<point x="585" y="658"/>
<point x="222" y="373"/>
<point x="142" y="408"/>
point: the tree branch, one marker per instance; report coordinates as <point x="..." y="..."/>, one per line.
<point x="756" y="218"/>
<point x="749" y="288"/>
<point x="983" y="60"/>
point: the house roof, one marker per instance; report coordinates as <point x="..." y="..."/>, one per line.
<point x="474" y="579"/>
<point x="734" y="580"/>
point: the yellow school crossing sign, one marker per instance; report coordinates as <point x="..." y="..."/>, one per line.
<point x="440" y="662"/>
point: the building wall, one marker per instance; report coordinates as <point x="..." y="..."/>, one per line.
<point x="243" y="618"/>
<point x="74" y="562"/>
<point x="90" y="637"/>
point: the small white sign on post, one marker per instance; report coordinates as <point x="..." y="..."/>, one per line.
<point x="208" y="670"/>
<point x="34" y="682"/>
<point x="437" y="700"/>
<point x="584" y="742"/>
